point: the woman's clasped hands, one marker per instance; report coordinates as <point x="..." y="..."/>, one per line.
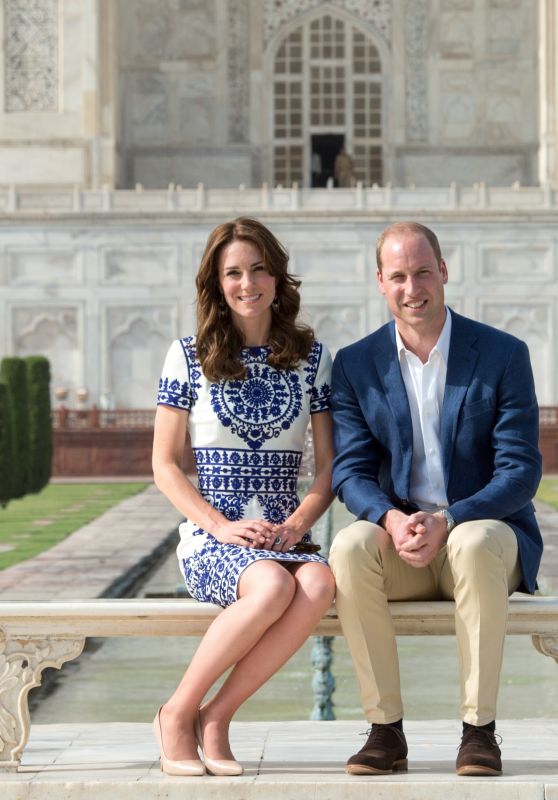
<point x="258" y="534"/>
<point x="285" y="536"/>
<point x="254" y="533"/>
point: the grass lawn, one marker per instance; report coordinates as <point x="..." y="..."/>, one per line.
<point x="38" y="521"/>
<point x="548" y="492"/>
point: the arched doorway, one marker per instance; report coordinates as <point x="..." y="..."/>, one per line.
<point x="327" y="94"/>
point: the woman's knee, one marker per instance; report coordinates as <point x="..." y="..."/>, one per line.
<point x="317" y="583"/>
<point x="270" y="585"/>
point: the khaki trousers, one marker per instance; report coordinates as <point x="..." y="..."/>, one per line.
<point x="478" y="568"/>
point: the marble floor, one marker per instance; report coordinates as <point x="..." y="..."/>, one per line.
<point x="283" y="760"/>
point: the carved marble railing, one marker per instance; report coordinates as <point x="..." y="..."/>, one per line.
<point x="548" y="416"/>
<point x="111" y="419"/>
<point x="94" y="417"/>
<point x="93" y="441"/>
<point x="35" y="635"/>
<point x="479" y="198"/>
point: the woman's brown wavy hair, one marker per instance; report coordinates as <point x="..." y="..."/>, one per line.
<point x="219" y="341"/>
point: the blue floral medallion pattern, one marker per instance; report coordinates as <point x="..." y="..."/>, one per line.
<point x="247" y="438"/>
<point x="262" y="405"/>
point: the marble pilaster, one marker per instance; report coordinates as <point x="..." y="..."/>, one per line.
<point x="548" y="91"/>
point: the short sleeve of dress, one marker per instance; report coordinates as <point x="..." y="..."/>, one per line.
<point x="175" y="385"/>
<point x="320" y="396"/>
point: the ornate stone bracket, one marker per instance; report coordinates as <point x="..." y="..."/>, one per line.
<point x="22" y="660"/>
<point x="547" y="645"/>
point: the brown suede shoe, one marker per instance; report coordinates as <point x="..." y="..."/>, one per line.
<point x="479" y="753"/>
<point x="385" y="751"/>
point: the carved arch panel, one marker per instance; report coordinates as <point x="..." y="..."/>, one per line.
<point x="327" y="73"/>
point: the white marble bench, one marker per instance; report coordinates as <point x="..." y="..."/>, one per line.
<point x="35" y="635"/>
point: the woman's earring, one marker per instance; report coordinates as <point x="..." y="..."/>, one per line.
<point x="222" y="306"/>
<point x="275" y="303"/>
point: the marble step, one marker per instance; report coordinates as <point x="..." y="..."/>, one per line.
<point x="299" y="760"/>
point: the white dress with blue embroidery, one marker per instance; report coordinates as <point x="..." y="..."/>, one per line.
<point x="247" y="438"/>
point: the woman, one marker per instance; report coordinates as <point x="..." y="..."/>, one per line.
<point x="245" y="388"/>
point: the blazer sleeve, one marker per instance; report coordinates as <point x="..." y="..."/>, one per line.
<point x="517" y="462"/>
<point x="357" y="460"/>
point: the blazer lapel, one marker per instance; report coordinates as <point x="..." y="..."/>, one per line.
<point x="461" y="364"/>
<point x="389" y="371"/>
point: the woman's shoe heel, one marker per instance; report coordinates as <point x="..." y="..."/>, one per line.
<point x="217" y="766"/>
<point x="191" y="767"/>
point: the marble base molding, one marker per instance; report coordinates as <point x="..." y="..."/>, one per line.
<point x="35" y="635"/>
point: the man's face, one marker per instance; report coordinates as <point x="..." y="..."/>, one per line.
<point x="412" y="283"/>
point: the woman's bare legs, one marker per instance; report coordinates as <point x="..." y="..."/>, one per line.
<point x="266" y="590"/>
<point x="315" y="589"/>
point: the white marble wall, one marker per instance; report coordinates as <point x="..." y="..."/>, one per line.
<point x="470" y="92"/>
<point x="174" y="65"/>
<point x="57" y="109"/>
<point x="128" y="91"/>
<point x="460" y="81"/>
<point x="103" y="292"/>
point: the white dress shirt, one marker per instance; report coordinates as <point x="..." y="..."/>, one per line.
<point x="425" y="385"/>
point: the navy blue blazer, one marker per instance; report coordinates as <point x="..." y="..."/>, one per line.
<point x="489" y="432"/>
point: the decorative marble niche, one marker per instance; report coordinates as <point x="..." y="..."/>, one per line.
<point x="137" y="338"/>
<point x="54" y="331"/>
<point x="173" y="81"/>
<point x="40" y="268"/>
<point x="334" y="324"/>
<point x="345" y="263"/>
<point x="533" y="323"/>
<point x="141" y="265"/>
<point x="335" y="286"/>
<point x="516" y="264"/>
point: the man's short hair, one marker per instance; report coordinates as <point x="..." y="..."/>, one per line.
<point x="408" y="227"/>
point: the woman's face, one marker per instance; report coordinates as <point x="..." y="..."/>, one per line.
<point x="247" y="286"/>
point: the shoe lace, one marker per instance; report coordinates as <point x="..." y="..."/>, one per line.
<point x="377" y="733"/>
<point x="475" y="735"/>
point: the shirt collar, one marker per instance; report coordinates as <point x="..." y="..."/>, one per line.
<point x="441" y="346"/>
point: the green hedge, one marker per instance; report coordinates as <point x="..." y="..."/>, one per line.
<point x="13" y="373"/>
<point x="39" y="424"/>
<point x="6" y="450"/>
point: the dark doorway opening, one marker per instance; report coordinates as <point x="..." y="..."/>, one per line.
<point x="325" y="147"/>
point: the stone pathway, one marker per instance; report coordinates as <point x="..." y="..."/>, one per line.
<point x="103" y="558"/>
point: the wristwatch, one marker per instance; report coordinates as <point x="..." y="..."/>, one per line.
<point x="450" y="522"/>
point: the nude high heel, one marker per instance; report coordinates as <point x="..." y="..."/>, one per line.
<point x="217" y="766"/>
<point x="190" y="767"/>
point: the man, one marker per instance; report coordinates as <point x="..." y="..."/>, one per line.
<point x="436" y="432"/>
<point x="343" y="170"/>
